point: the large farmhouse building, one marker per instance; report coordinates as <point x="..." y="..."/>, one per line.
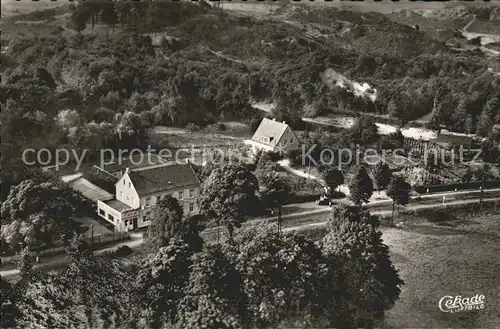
<point x="273" y="136"/>
<point x="138" y="191"/>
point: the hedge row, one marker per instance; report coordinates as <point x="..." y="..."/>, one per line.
<point x="457" y="186"/>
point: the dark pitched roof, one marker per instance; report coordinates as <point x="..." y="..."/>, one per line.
<point x="134" y="161"/>
<point x="101" y="179"/>
<point x="453" y="140"/>
<point x="163" y="178"/>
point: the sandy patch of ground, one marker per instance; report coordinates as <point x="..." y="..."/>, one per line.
<point x="263" y="106"/>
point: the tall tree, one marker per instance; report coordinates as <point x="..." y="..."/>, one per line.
<point x="487" y="118"/>
<point x="229" y="195"/>
<point x="161" y="283"/>
<point x="45" y="206"/>
<point x="344" y="214"/>
<point x="80" y="17"/>
<point x="24" y="265"/>
<point x="169" y="223"/>
<point x="399" y="191"/>
<point x="489" y="151"/>
<point x="333" y="178"/>
<point x="285" y="278"/>
<point x="360" y="186"/>
<point x="109" y="16"/>
<point x="483" y="173"/>
<point x="275" y="192"/>
<point x="381" y="175"/>
<point x="91" y="289"/>
<point x="368" y="281"/>
<point x="213" y="295"/>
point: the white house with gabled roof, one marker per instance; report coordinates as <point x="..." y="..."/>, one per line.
<point x="273" y="136"/>
<point x="138" y="191"/>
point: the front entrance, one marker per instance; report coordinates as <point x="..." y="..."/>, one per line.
<point x="134" y="223"/>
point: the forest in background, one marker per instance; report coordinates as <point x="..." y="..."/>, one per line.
<point x="107" y="78"/>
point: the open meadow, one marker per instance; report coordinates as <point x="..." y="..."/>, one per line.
<point x="457" y="257"/>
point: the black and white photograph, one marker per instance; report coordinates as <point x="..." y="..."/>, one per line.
<point x="232" y="164"/>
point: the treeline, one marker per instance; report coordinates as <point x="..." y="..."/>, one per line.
<point x="141" y="17"/>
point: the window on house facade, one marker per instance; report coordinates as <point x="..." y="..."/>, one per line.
<point x="126" y="222"/>
<point x="128" y="184"/>
<point x="111" y="218"/>
<point x="191" y="193"/>
<point x="121" y="194"/>
<point x="181" y="195"/>
<point x="191" y="207"/>
<point x="148" y="201"/>
<point x="123" y="182"/>
<point x="101" y="212"/>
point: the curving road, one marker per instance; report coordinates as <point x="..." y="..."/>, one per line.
<point x="313" y="216"/>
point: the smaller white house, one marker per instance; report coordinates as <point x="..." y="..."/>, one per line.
<point x="273" y="136"/>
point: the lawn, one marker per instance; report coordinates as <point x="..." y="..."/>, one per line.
<point x="461" y="257"/>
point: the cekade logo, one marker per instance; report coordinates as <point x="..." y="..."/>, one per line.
<point x="457" y="304"/>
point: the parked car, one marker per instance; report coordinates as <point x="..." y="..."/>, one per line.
<point x="324" y="200"/>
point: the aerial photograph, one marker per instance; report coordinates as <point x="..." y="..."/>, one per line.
<point x="200" y="164"/>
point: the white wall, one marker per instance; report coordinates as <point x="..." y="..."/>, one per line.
<point x="103" y="211"/>
<point x="126" y="193"/>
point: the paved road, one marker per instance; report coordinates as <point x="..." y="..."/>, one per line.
<point x="316" y="216"/>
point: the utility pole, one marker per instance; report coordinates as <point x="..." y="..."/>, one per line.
<point x="485" y="169"/>
<point x="279" y="219"/>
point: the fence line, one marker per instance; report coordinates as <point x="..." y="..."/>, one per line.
<point x="95" y="241"/>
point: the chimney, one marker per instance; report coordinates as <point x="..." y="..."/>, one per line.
<point x="284" y="122"/>
<point x="127" y="170"/>
<point x="274" y="119"/>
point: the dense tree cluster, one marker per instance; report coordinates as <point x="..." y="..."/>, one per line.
<point x="87" y="91"/>
<point x="37" y="214"/>
<point x="259" y="279"/>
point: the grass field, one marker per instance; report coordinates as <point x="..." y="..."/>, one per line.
<point x="461" y="257"/>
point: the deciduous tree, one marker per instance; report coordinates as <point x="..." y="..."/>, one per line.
<point x="170" y="223"/>
<point x="381" y="175"/>
<point x="399" y="191"/>
<point x="45" y="206"/>
<point x="228" y="195"/>
<point x="360" y="186"/>
<point x="368" y="282"/>
<point x="333" y="178"/>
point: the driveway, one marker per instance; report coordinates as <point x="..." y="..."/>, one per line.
<point x="99" y="229"/>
